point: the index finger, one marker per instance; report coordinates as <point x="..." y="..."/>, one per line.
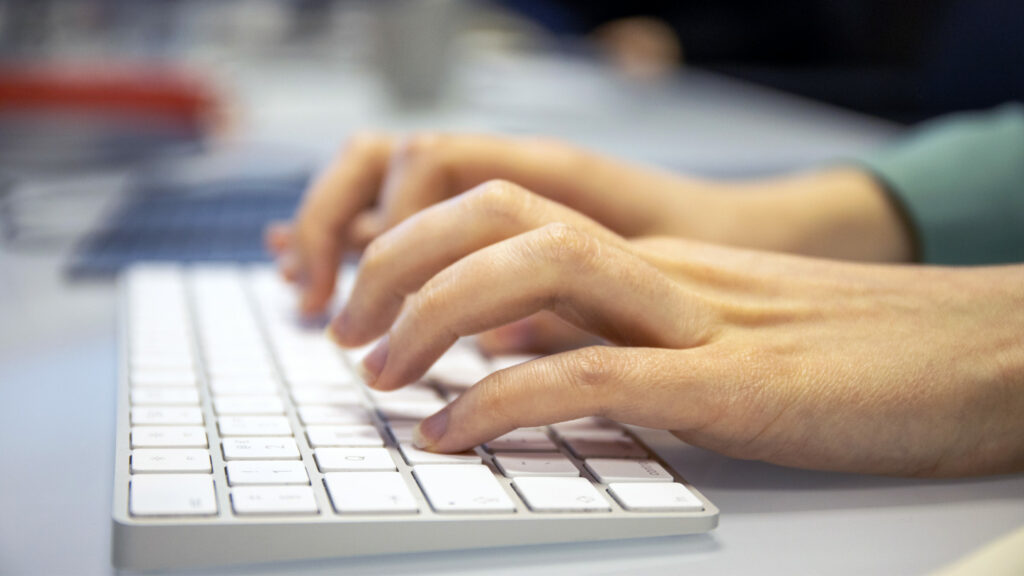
<point x="349" y="185"/>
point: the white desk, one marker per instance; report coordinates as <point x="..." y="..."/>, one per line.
<point x="57" y="364"/>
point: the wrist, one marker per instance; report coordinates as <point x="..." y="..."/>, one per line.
<point x="840" y="213"/>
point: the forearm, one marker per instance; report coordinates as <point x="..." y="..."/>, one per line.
<point x="841" y="213"/>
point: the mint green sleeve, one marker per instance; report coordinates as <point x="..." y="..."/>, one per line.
<point x="960" y="183"/>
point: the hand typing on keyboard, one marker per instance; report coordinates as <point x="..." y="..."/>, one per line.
<point x="379" y="180"/>
<point x="798" y="361"/>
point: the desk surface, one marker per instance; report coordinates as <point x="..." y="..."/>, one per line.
<point x="57" y="353"/>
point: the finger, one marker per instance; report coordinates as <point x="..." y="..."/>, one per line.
<point x="644" y="386"/>
<point x="402" y="260"/>
<point x="348" y="186"/>
<point x="595" y="285"/>
<point x="364" y="228"/>
<point x="278" y="237"/>
<point x="428" y="168"/>
<point x="542" y="333"/>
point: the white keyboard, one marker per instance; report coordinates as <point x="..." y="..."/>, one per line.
<point x="244" y="437"/>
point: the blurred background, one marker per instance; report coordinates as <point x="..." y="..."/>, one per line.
<point x="174" y="129"/>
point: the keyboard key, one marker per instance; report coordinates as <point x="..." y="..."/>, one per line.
<point x="248" y="405"/>
<point x="307" y="381"/>
<point x="254" y="426"/>
<point x="239" y="386"/>
<point x="326" y="395"/>
<point x="352" y="435"/>
<point x="260" y="449"/>
<point x="593" y="434"/>
<point x="244" y="472"/>
<point x="461" y="366"/>
<point x="159" y="378"/>
<point x="522" y="441"/>
<point x="560" y="494"/>
<point x="240" y="370"/>
<point x="655" y="497"/>
<point x="588" y="423"/>
<point x="608" y="470"/>
<point x="168" y="437"/>
<point x="414" y="456"/>
<point x="307" y="368"/>
<point x="172" y="495"/>
<point x="165" y="396"/>
<point x="402" y="431"/>
<point x="178" y="358"/>
<point x="166" y="415"/>
<point x="369" y="493"/>
<point x="413" y="393"/>
<point x="353" y="459"/>
<point x="334" y="415"/>
<point x="624" y="447"/>
<point x="170" y="460"/>
<point x="393" y="410"/>
<point x="468" y="488"/>
<point x="273" y="500"/>
<point x="538" y="464"/>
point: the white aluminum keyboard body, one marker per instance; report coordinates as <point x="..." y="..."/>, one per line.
<point x="243" y="437"/>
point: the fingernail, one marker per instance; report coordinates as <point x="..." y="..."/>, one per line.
<point x="374" y="362"/>
<point x="513" y="336"/>
<point x="429" y="432"/>
<point x="330" y="334"/>
<point x="308" y="307"/>
<point x="337" y="329"/>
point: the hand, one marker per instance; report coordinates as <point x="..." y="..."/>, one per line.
<point x="378" y="181"/>
<point x="796" y="361"/>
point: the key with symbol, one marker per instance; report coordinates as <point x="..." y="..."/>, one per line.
<point x="170" y="460"/>
<point x="655" y="497"/>
<point x="273" y="500"/>
<point x="351" y="459"/>
<point x="369" y="492"/>
<point x="554" y="494"/>
<point x="243" y="472"/>
<point x="172" y="495"/>
<point x="260" y="449"/>
<point x="462" y="488"/>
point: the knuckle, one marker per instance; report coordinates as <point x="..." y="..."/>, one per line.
<point x="360" y="144"/>
<point x="565" y="246"/>
<point x="593" y="372"/>
<point x="419" y="145"/>
<point x="499" y="199"/>
<point x="592" y="367"/>
<point x="375" y="253"/>
<point x="563" y="154"/>
<point x="427" y="303"/>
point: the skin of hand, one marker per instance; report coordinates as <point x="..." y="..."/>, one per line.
<point x="901" y="370"/>
<point x="378" y="180"/>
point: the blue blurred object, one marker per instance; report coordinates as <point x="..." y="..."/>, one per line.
<point x="185" y="212"/>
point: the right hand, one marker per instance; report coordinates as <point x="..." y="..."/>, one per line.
<point x="906" y="370"/>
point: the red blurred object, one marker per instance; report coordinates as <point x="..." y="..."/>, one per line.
<point x="158" y="92"/>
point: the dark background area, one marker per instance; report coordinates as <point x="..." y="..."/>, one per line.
<point x="905" y="60"/>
